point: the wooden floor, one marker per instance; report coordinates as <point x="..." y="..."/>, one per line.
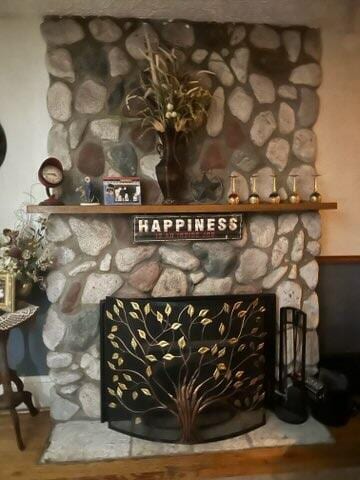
<point x="15" y="465"/>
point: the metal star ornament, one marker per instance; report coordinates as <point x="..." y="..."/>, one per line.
<point x="207" y="189"/>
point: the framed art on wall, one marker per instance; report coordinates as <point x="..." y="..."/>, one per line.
<point x="7" y="292"/>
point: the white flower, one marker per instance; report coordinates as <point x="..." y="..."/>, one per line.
<point x="170" y="107"/>
<point x="174" y="114"/>
<point x="168" y="115"/>
<point x="26" y="254"/>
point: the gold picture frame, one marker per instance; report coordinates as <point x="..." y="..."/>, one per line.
<point x="7" y="292"/>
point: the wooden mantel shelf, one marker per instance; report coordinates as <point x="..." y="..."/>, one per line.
<point x="175" y="209"/>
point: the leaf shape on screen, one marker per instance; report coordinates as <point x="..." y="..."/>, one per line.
<point x="168" y="356"/>
<point x="203" y="350"/>
<point x="206" y="321"/>
<point x="142" y="334"/>
<point x="176" y="326"/>
<point x="182" y="342"/>
<point x="151" y="358"/>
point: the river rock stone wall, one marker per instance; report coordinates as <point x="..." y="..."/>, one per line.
<point x="264" y="106"/>
<point x="96" y="257"/>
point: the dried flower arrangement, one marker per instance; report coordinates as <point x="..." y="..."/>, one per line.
<point x="172" y="102"/>
<point x="25" y="253"/>
<point x="172" y="98"/>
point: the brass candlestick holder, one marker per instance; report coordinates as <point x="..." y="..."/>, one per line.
<point x="274" y="195"/>
<point x="254" y="197"/>
<point x="294" y="196"/>
<point x="315" y="196"/>
<point x="233" y="198"/>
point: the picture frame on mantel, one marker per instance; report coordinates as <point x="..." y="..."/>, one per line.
<point x="122" y="191"/>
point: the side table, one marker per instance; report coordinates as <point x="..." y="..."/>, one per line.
<point x="10" y="399"/>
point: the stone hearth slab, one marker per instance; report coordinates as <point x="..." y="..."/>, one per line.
<point x="82" y="441"/>
<point x="145" y="448"/>
<point x="85" y="441"/>
<point x="275" y="433"/>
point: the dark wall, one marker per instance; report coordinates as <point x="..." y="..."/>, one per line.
<point x="26" y="350"/>
<point x="339" y="293"/>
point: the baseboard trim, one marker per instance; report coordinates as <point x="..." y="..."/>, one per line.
<point x="39" y="386"/>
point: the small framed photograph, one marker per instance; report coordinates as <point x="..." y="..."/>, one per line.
<point x="7" y="292"/>
<point x="122" y="191"/>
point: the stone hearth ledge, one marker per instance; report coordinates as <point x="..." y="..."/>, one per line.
<point x="80" y="441"/>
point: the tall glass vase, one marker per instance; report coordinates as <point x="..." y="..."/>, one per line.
<point x="169" y="171"/>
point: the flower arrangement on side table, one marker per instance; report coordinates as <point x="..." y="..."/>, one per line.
<point x="25" y="254"/>
<point x="172" y="102"/>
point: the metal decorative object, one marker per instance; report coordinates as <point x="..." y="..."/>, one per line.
<point x="254" y="197"/>
<point x="294" y="196"/>
<point x="208" y="188"/>
<point x="233" y="198"/>
<point x="9" y="400"/>
<point x="159" y="228"/>
<point x="290" y="396"/>
<point x="315" y="196"/>
<point x="274" y="195"/>
<point x="186" y="369"/>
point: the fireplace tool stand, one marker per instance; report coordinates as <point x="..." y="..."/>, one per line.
<point x="290" y="403"/>
<point x="10" y="399"/>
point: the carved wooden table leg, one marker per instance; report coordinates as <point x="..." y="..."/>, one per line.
<point x="9" y="400"/>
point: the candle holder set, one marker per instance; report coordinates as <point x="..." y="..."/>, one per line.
<point x="274" y="197"/>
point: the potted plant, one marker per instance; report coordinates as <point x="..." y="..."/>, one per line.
<point x="24" y="253"/>
<point x="173" y="103"/>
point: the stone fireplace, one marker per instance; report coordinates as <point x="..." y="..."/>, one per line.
<point x="260" y="121"/>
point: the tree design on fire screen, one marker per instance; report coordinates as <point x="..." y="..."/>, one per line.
<point x="183" y="360"/>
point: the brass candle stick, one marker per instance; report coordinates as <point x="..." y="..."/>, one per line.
<point x="315" y="196"/>
<point x="294" y="196"/>
<point x="274" y="195"/>
<point x="254" y="197"/>
<point x="233" y="198"/>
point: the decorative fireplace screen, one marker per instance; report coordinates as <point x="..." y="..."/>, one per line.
<point x="187" y="369"/>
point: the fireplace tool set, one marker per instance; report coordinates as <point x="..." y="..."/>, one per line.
<point x="290" y="396"/>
